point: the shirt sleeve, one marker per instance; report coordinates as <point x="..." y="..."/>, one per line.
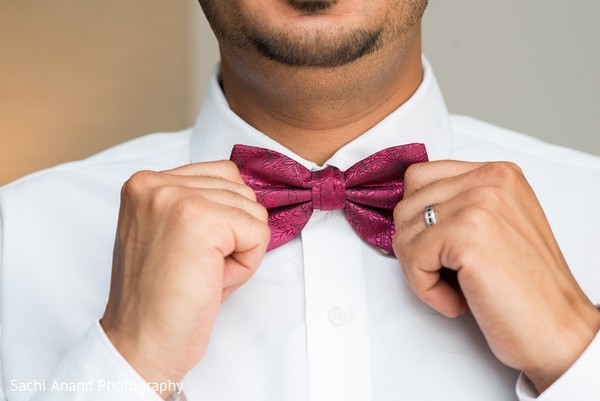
<point x="91" y="369"/>
<point x="95" y="371"/>
<point x="581" y="382"/>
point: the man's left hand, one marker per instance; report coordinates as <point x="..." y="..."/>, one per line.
<point x="510" y="272"/>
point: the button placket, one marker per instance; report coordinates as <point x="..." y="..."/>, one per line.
<point x="336" y="310"/>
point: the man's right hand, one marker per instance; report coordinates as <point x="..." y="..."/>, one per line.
<point x="186" y="239"/>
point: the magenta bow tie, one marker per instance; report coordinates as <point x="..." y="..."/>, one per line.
<point x="368" y="191"/>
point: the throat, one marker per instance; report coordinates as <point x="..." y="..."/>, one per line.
<point x="315" y="129"/>
<point x="317" y="137"/>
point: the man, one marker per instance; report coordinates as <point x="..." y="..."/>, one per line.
<point x="326" y="316"/>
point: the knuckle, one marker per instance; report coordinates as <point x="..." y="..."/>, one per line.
<point x="230" y="168"/>
<point x="265" y="234"/>
<point x="186" y="210"/>
<point x="400" y="244"/>
<point x="397" y="245"/>
<point x="412" y="174"/>
<point x="248" y="193"/>
<point x="400" y="211"/>
<point x="264" y="213"/>
<point x="463" y="258"/>
<point x="477" y="218"/>
<point x="236" y="200"/>
<point x="404" y="231"/>
<point x="160" y="196"/>
<point x="144" y="177"/>
<point x="513" y="167"/>
<point x="488" y="195"/>
<point x="506" y="173"/>
<point x="400" y="250"/>
<point x="138" y="182"/>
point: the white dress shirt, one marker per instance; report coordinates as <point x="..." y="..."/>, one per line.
<point x="327" y="317"/>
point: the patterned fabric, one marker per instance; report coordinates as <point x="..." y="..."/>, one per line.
<point x="367" y="192"/>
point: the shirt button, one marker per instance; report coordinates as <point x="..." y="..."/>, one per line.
<point x="337" y="316"/>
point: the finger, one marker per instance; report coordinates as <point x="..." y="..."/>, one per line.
<point x="234" y="200"/>
<point x="409" y="228"/>
<point x="419" y="175"/>
<point x="439" y="291"/>
<point x="409" y="213"/>
<point x="499" y="175"/>
<point x="484" y="196"/>
<point x="422" y="264"/>
<point x="459" y="177"/>
<point x="205" y="182"/>
<point x="460" y="236"/>
<point x="238" y="240"/>
<point x="420" y="250"/>
<point x="225" y="169"/>
<point x="250" y="239"/>
<point x="143" y="181"/>
<point x="235" y="275"/>
<point x="227" y="291"/>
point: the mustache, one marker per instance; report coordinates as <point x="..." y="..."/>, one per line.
<point x="312" y="6"/>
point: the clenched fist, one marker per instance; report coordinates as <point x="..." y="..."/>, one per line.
<point x="510" y="272"/>
<point x="186" y="239"/>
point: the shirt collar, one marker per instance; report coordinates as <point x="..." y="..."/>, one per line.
<point x="423" y="118"/>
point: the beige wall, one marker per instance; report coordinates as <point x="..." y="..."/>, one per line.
<point x="77" y="76"/>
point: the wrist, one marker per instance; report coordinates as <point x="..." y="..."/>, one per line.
<point x="572" y="340"/>
<point x="151" y="362"/>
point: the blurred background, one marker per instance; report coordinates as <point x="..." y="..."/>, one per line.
<point x="77" y="76"/>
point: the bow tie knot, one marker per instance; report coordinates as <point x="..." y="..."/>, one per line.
<point x="328" y="189"/>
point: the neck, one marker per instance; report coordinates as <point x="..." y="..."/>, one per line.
<point x="314" y="112"/>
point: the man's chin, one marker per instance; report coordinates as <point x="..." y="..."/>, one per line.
<point x="325" y="50"/>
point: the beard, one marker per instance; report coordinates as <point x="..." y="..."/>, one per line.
<point x="324" y="48"/>
<point x="318" y="49"/>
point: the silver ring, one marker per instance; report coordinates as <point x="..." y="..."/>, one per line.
<point x="429" y="216"/>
